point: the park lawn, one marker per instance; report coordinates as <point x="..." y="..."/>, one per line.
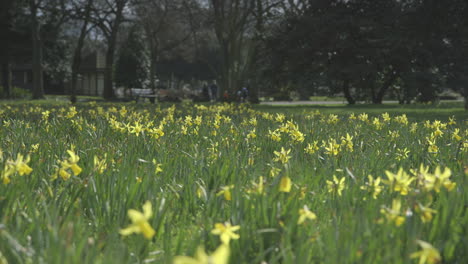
<point x="413" y="112"/>
<point x="250" y="183"/>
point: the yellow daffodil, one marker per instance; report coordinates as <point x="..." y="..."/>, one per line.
<point x="226" y="192"/>
<point x="304" y="214"/>
<point x="274" y="135"/>
<point x="455" y="134"/>
<point x="296" y="136"/>
<point x="100" y="165"/>
<point x="311" y="148"/>
<point x="399" y="182"/>
<point x="158" y="168"/>
<point x="425" y="212"/>
<point x="274" y="172"/>
<point x="257" y="188"/>
<point x="21" y="166"/>
<point x="251" y="134"/>
<point x="285" y="184"/>
<point x="220" y="256"/>
<point x="372" y="186"/>
<point x="140" y="222"/>
<point x="402" y="154"/>
<point x="226" y="232"/>
<point x="71" y="163"/>
<point x="428" y="254"/>
<point x="6" y="173"/>
<point x="347" y="142"/>
<point x="336" y="186"/>
<point x="282" y="156"/>
<point x="331" y="148"/>
<point x="386" y="117"/>
<point x="438" y="180"/>
<point x="394" y="215"/>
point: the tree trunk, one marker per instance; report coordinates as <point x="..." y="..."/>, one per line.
<point x="77" y="54"/>
<point x="153" y="65"/>
<point x="108" y="78"/>
<point x="379" y="96"/>
<point x="6" y="78"/>
<point x="38" y="83"/>
<point x="347" y="93"/>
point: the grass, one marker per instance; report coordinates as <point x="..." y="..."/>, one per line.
<point x="415" y="112"/>
<point x="260" y="168"/>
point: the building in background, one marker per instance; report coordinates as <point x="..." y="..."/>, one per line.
<point x="91" y="74"/>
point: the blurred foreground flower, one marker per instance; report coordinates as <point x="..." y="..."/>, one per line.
<point x="140" y="222"/>
<point x="394" y="214"/>
<point x="428" y="254"/>
<point x="226" y="232"/>
<point x="285" y="184"/>
<point x="220" y="256"/>
<point x="304" y="214"/>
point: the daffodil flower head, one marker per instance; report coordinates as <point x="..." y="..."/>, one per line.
<point x="305" y="214"/>
<point x="425" y="212"/>
<point x="373" y="186"/>
<point x="285" y="184"/>
<point x="72" y="162"/>
<point x="428" y="254"/>
<point x="282" y="156"/>
<point x="226" y="192"/>
<point x="220" y="256"/>
<point x="336" y="186"/>
<point x="399" y="182"/>
<point x="226" y="232"/>
<point x="21" y="166"/>
<point x="394" y="215"/>
<point x="140" y="222"/>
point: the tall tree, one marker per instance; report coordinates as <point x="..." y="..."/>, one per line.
<point x="109" y="15"/>
<point x="233" y="23"/>
<point x="6" y="21"/>
<point x="166" y="28"/>
<point x="131" y="68"/>
<point x="82" y="12"/>
<point x="37" y="59"/>
<point x="54" y="13"/>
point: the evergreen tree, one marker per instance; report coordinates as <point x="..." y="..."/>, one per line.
<point x="131" y="69"/>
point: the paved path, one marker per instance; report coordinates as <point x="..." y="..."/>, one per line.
<point x="333" y="102"/>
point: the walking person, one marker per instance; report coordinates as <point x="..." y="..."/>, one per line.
<point x="214" y="91"/>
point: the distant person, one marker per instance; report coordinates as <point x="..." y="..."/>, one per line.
<point x="214" y="91"/>
<point x="205" y="92"/>
<point x="244" y="94"/>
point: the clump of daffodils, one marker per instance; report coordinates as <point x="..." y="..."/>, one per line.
<point x="20" y="166"/>
<point x="68" y="166"/>
<point x="399" y="182"/>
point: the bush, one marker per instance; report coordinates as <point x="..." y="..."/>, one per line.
<point x="16" y="93"/>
